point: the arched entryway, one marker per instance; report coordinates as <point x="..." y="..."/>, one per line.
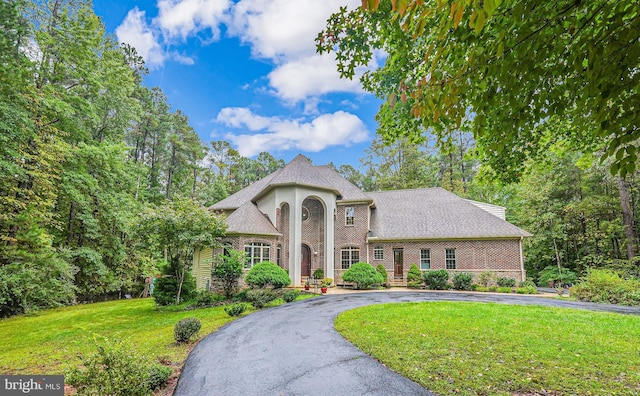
<point x="306" y="261"/>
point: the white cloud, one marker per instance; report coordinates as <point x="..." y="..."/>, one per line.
<point x="282" y="28"/>
<point x="310" y="76"/>
<point x="336" y="129"/>
<point x="184" y="18"/>
<point x="135" y="32"/>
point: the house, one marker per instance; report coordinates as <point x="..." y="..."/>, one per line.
<point x="304" y="217"/>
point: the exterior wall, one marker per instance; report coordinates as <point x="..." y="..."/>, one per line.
<point x="313" y="232"/>
<point x="350" y="235"/>
<point x="500" y="256"/>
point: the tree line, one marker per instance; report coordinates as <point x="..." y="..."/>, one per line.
<point x="86" y="151"/>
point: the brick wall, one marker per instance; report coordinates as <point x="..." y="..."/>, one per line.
<point x="350" y="235"/>
<point x="500" y="256"/>
<point x="313" y="232"/>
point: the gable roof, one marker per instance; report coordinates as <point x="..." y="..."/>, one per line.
<point x="434" y="213"/>
<point x="298" y="172"/>
<point x="248" y="220"/>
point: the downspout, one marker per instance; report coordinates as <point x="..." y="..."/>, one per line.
<point x="524" y="273"/>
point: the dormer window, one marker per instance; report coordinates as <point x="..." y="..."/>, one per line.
<point x="349" y="215"/>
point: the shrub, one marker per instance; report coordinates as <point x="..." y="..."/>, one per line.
<point x="261" y="297"/>
<point x="482" y="288"/>
<point x="290" y="295"/>
<point x="115" y="369"/>
<point x="486" y="278"/>
<point x="326" y="282"/>
<point x="527" y="290"/>
<point x="606" y="286"/>
<point x="504" y="289"/>
<point x="318" y="273"/>
<point x="414" y="277"/>
<point x="241" y="295"/>
<point x="382" y="271"/>
<point x="267" y="273"/>
<point x="166" y="289"/>
<point x="527" y="283"/>
<point x="235" y="309"/>
<point x="185" y="329"/>
<point x="158" y="376"/>
<point x="363" y="275"/>
<point x="506" y="282"/>
<point x="551" y="274"/>
<point x="436" y="279"/>
<point x="205" y="298"/>
<point x="462" y="281"/>
<point x="474" y="286"/>
<point x="228" y="271"/>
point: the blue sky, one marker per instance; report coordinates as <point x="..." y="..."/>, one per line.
<point x="247" y="72"/>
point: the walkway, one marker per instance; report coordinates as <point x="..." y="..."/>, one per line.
<point x="293" y="349"/>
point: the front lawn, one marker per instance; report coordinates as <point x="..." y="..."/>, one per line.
<point x="497" y="349"/>
<point x="49" y="341"/>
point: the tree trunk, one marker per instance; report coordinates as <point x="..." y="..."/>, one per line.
<point x="627" y="217"/>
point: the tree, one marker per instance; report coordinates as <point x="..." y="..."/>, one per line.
<point x="514" y="68"/>
<point x="177" y="229"/>
<point x="228" y="270"/>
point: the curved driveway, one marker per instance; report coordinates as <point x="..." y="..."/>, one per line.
<point x="293" y="349"/>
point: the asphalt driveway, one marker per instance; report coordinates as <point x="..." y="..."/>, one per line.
<point x="293" y="349"/>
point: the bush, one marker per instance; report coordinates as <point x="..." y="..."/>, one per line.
<point x="185" y="329"/>
<point x="486" y="278"/>
<point x="527" y="283"/>
<point x="462" y="281"/>
<point x="241" y="295"/>
<point x="318" y="273"/>
<point x="267" y="273"/>
<point x="260" y="297"/>
<point x="326" y="282"/>
<point x="551" y="274"/>
<point x="606" y="286"/>
<point x="504" y="289"/>
<point x="228" y="271"/>
<point x="166" y="289"/>
<point x="205" y="298"/>
<point x="235" y="309"/>
<point x="382" y="271"/>
<point x="115" y="369"/>
<point x="506" y="282"/>
<point x="290" y="295"/>
<point x="414" y="277"/>
<point x="436" y="279"/>
<point x="158" y="376"/>
<point x="481" y="288"/>
<point x="527" y="290"/>
<point x="363" y="275"/>
<point x="492" y="288"/>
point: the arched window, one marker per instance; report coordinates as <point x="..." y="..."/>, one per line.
<point x="349" y="256"/>
<point x="256" y="252"/>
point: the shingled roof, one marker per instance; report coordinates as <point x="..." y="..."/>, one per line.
<point x="248" y="220"/>
<point x="434" y="213"/>
<point x="298" y="172"/>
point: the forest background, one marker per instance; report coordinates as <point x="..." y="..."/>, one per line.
<point x="87" y="152"/>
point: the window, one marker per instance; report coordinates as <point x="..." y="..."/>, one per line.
<point x="350" y="256"/>
<point x="305" y="214"/>
<point x="279" y="255"/>
<point x="425" y="259"/>
<point x="450" y="258"/>
<point x="349" y="215"/>
<point x="227" y="248"/>
<point x="378" y="253"/>
<point x="256" y="252"/>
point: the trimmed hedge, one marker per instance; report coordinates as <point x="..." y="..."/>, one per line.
<point x="267" y="273"/>
<point x="436" y="279"/>
<point x="363" y="275"/>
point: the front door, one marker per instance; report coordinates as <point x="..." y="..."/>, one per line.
<point x="306" y="260"/>
<point x="398" y="269"/>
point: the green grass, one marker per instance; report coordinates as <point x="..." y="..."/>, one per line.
<point x="496" y="349"/>
<point x="49" y="341"/>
